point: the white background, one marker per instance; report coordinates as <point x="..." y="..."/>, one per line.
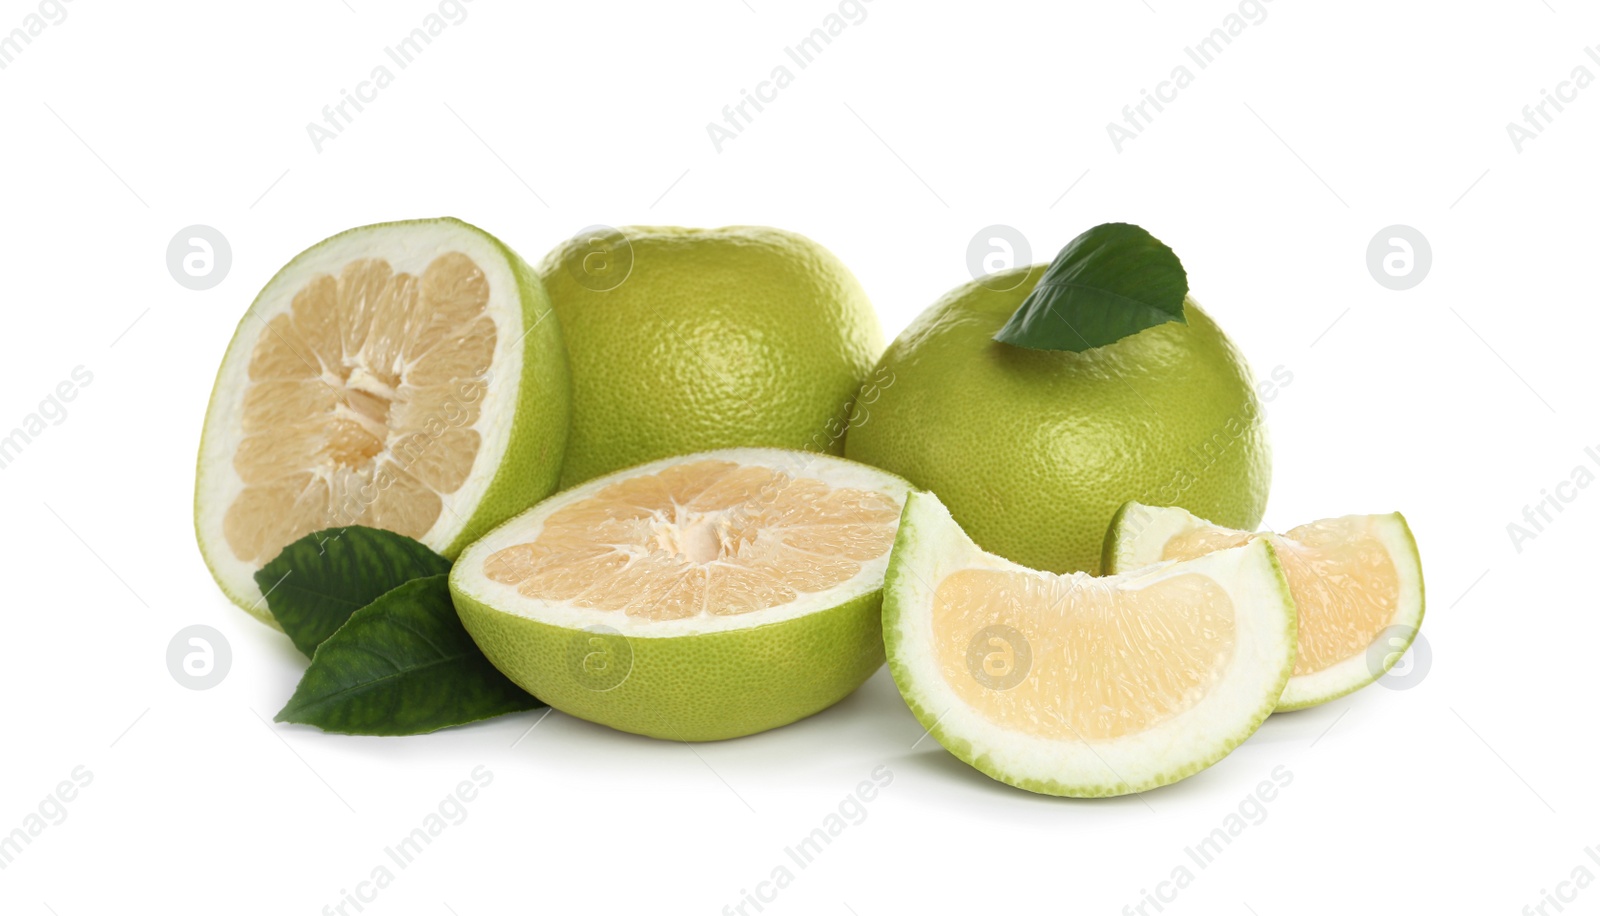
<point x="1459" y="402"/>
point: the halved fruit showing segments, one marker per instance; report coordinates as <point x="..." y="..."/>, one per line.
<point x="1081" y="685"/>
<point x="1356" y="582"/>
<point x="694" y="598"/>
<point x="407" y="376"/>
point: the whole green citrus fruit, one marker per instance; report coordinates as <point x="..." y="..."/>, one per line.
<point x="686" y="340"/>
<point x="1033" y="451"/>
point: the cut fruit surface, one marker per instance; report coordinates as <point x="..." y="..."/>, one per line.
<point x="1081" y="685"/>
<point x="1356" y="582"/>
<point x="700" y="597"/>
<point x="398" y="376"/>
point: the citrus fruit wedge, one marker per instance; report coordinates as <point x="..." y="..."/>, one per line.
<point x="1356" y="582"/>
<point x="1081" y="685"/>
<point x="407" y="376"/>
<point x="694" y="598"/>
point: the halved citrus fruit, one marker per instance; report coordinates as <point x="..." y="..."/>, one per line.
<point x="1356" y="582"/>
<point x="407" y="376"/>
<point x="695" y="598"/>
<point x="1082" y="685"/>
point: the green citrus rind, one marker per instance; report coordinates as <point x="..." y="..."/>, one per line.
<point x="686" y="688"/>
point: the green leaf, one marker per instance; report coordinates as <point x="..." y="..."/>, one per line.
<point x="317" y="582"/>
<point x="1108" y="283"/>
<point x="402" y="665"/>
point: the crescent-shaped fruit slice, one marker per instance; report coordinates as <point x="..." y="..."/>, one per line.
<point x="1356" y="582"/>
<point x="407" y="376"/>
<point x="1081" y="685"/>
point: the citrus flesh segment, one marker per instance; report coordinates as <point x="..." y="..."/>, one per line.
<point x="1080" y="685"/>
<point x="382" y="378"/>
<point x="1356" y="583"/>
<point x="1124" y="660"/>
<point x="699" y="597"/>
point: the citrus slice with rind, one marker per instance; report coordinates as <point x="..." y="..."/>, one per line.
<point x="1080" y="685"/>
<point x="694" y="598"/>
<point x="407" y="376"/>
<point x="1356" y="582"/>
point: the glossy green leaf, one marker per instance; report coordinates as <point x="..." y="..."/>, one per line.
<point x="402" y="665"/>
<point x="1108" y="283"/>
<point x="317" y="582"/>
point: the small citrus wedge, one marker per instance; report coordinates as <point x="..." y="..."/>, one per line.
<point x="1356" y="582"/>
<point x="1081" y="685"/>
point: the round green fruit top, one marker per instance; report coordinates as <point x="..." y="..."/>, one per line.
<point x="685" y="340"/>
